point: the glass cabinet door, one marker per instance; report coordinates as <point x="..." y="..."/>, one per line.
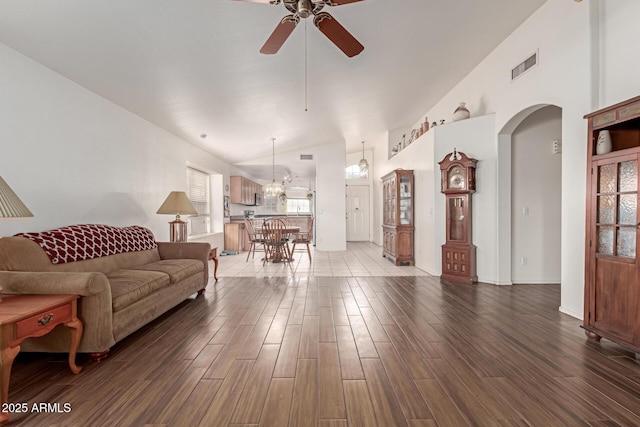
<point x="456" y="218"/>
<point x="617" y="208"/>
<point x="405" y="200"/>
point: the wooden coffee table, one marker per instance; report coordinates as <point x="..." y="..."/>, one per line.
<point x="26" y="316"/>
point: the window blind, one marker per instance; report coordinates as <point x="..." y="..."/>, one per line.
<point x="198" y="190"/>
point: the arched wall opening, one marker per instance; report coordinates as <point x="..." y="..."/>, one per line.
<point x="529" y="197"/>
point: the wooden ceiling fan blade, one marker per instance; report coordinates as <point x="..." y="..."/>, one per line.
<point x="340" y="2"/>
<point x="260" y="1"/>
<point x="280" y="35"/>
<point x="335" y="32"/>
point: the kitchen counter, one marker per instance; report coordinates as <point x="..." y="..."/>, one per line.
<point x="263" y="216"/>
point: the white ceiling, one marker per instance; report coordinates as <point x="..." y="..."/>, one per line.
<point x="192" y="67"/>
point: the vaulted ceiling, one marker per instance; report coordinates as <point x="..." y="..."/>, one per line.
<point x="193" y="67"/>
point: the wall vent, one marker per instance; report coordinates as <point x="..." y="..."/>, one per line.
<point x="524" y="66"/>
<point x="306" y="156"/>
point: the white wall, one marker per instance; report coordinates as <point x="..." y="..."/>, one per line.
<point x="586" y="61"/>
<point x="74" y="157"/>
<point x="476" y="138"/>
<point x="536" y="198"/>
<point x="619" y="59"/>
<point x="419" y="157"/>
<point x="331" y="226"/>
<point x="331" y="231"/>
<point x="560" y="32"/>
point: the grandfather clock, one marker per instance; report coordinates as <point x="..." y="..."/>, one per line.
<point x="458" y="183"/>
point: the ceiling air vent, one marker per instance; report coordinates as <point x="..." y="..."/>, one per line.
<point x="524" y="66"/>
<point x="306" y="156"/>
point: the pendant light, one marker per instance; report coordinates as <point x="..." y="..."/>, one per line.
<point x="274" y="189"/>
<point x="364" y="165"/>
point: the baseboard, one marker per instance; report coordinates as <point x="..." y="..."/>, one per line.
<point x="571" y="313"/>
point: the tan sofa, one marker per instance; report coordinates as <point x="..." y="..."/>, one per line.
<point x="119" y="292"/>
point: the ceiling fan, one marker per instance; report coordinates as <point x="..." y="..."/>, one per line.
<point x="326" y="23"/>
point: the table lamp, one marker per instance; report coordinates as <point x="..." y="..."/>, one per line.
<point x="11" y="206"/>
<point x="177" y="203"/>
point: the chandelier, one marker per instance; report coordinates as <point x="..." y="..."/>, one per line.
<point x="364" y="165"/>
<point x="274" y="189"/>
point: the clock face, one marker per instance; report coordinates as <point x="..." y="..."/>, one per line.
<point x="456" y="178"/>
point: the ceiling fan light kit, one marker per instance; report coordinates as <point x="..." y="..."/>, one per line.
<point x="326" y="23"/>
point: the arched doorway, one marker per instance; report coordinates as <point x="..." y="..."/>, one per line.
<point x="530" y="197"/>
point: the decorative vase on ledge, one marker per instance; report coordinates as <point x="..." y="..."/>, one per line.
<point x="603" y="145"/>
<point x="461" y="113"/>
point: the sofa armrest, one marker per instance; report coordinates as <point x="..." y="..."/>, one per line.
<point x="94" y="306"/>
<point x="175" y="250"/>
<point x="188" y="250"/>
<point x="38" y="282"/>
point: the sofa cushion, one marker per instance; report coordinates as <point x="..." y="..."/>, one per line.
<point x="129" y="286"/>
<point x="177" y="269"/>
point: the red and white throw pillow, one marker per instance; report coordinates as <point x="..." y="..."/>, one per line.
<point x="87" y="241"/>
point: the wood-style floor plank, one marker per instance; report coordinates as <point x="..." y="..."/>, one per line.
<point x="350" y="366"/>
<point x="336" y="352"/>
<point x="253" y="397"/>
<point x="359" y="406"/>
<point x="304" y="405"/>
<point x="385" y="403"/>
<point x="309" y="338"/>
<point x="330" y="395"/>
<point x="278" y="326"/>
<point x="364" y="342"/>
<point x="196" y="405"/>
<point x="278" y="404"/>
<point x="411" y="401"/>
<point x="222" y="406"/>
<point x="288" y="356"/>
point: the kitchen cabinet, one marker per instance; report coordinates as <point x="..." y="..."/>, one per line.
<point x="243" y="191"/>
<point x="612" y="271"/>
<point x="235" y="237"/>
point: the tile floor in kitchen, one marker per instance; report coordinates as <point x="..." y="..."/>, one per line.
<point x="360" y="259"/>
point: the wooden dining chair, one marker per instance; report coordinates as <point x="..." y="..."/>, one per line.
<point x="255" y="238"/>
<point x="303" y="238"/>
<point x="276" y="241"/>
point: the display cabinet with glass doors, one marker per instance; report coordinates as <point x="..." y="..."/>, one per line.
<point x="398" y="216"/>
<point x="612" y="271"/>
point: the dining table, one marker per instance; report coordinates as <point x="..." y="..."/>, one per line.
<point x="278" y="256"/>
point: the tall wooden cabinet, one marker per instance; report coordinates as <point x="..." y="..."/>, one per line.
<point x="458" y="183"/>
<point x="612" y="270"/>
<point x="398" y="217"/>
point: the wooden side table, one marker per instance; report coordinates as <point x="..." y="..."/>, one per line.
<point x="213" y="255"/>
<point x="26" y="316"/>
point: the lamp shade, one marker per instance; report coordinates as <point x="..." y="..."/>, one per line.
<point x="10" y="204"/>
<point x="177" y="203"/>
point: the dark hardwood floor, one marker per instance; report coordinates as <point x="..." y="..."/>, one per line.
<point x="331" y="351"/>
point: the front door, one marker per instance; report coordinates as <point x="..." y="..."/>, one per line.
<point x="614" y="269"/>
<point x="358" y="213"/>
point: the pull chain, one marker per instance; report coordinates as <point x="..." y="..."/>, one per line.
<point x="306" y="72"/>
